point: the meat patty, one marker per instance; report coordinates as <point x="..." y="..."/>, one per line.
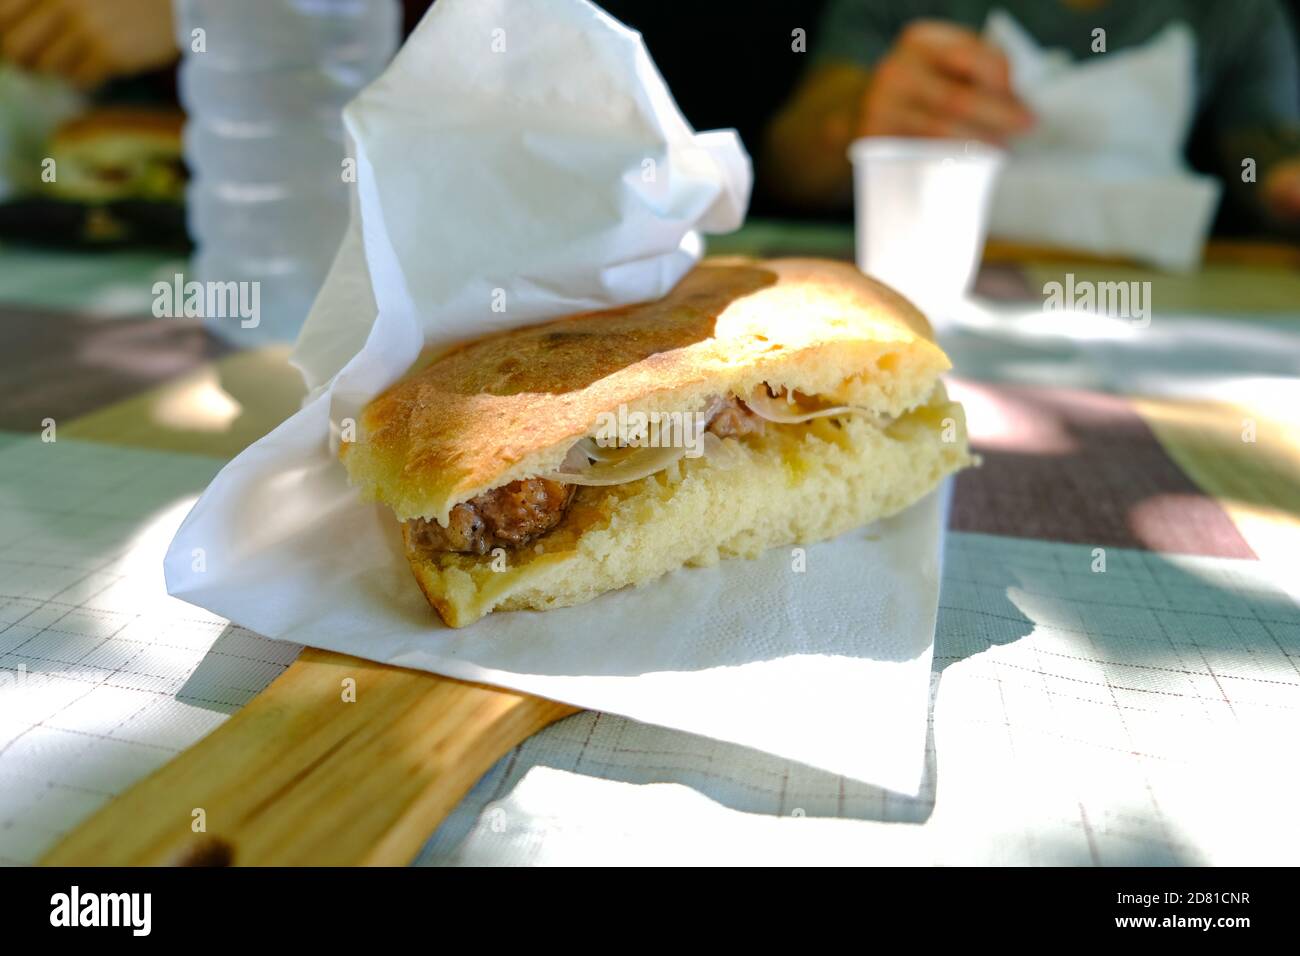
<point x="735" y="419"/>
<point x="506" y="517"/>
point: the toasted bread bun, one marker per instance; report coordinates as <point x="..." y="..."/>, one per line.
<point x="511" y="405"/>
<point x="794" y="484"/>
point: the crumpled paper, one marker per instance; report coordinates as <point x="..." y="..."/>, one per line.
<point x="1102" y="171"/>
<point x="559" y="174"/>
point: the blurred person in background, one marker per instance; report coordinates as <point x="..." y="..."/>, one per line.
<point x="88" y="42"/>
<point x="921" y="68"/>
<point x="879" y="67"/>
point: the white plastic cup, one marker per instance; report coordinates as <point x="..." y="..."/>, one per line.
<point x="921" y="214"/>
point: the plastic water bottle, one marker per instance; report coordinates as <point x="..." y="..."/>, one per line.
<point x="264" y="83"/>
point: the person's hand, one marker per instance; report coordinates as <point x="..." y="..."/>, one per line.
<point x="1282" y="189"/>
<point x="87" y="41"/>
<point x="942" y="80"/>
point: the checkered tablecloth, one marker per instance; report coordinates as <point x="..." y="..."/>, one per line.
<point x="1117" y="659"/>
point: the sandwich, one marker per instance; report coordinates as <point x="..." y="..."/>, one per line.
<point x="758" y="404"/>
<point x="118" y="153"/>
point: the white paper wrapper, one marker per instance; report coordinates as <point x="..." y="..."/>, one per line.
<point x="524" y="172"/>
<point x="1102" y="170"/>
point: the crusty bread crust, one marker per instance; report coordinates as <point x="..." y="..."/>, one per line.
<point x="512" y="404"/>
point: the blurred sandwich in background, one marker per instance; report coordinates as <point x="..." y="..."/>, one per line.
<point x="118" y="153"/>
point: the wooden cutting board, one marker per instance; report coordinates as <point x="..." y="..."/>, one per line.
<point x="339" y="761"/>
<point x="306" y="773"/>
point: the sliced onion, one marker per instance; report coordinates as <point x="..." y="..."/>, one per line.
<point x="593" y="450"/>
<point x="723" y="454"/>
<point x="636" y="464"/>
<point x="590" y="463"/>
<point x="785" y="411"/>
